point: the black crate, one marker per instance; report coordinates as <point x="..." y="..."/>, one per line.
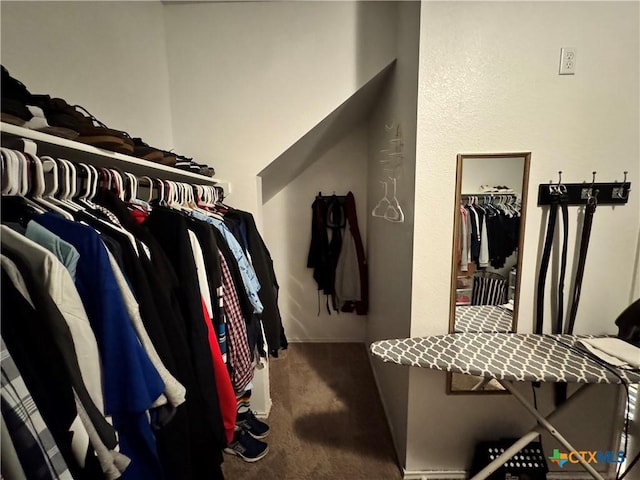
<point x="529" y="463"/>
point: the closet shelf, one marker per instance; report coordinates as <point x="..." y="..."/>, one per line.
<point x="68" y="149"/>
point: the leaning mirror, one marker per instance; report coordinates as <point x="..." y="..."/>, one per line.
<point x="489" y="214"/>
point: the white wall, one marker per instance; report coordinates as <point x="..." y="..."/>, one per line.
<point x="390" y="245"/>
<point x="341" y="169"/>
<point x="108" y="57"/>
<point x="492" y="172"/>
<point x="249" y="79"/>
<point x="489" y="82"/>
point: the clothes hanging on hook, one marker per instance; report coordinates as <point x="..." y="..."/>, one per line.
<point x="331" y="254"/>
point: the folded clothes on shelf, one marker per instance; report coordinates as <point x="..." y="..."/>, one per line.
<point x="55" y="116"/>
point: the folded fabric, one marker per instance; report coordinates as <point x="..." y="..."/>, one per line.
<point x="508" y="305"/>
<point x="614" y="351"/>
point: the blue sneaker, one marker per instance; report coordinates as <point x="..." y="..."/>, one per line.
<point x="246" y="447"/>
<point x="247" y="421"/>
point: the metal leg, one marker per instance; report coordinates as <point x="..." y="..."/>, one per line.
<point x="543" y="424"/>
<point x="481" y="384"/>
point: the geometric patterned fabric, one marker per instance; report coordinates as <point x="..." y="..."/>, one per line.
<point x="504" y="356"/>
<point x="483" y="318"/>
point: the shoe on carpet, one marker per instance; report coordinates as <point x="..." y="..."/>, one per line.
<point x="246" y="447"/>
<point x="248" y="422"/>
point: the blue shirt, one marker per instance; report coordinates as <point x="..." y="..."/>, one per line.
<point x="249" y="279"/>
<point x="131" y="382"/>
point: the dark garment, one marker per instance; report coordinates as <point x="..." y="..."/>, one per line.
<point x="170" y="230"/>
<point x="327" y="215"/>
<point x="27" y="333"/>
<point x="263" y="266"/>
<point x="361" y="307"/>
<point x="238" y="229"/>
<point x="319" y="257"/>
<point x="628" y="323"/>
<point x="475" y="222"/>
<point x="202" y="450"/>
<point x="115" y="249"/>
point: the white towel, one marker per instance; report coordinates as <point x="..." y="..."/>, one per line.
<point x="614" y="351"/>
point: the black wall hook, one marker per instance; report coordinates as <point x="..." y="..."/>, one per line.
<point x="605" y="193"/>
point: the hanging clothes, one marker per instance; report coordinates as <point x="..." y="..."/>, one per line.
<point x="319" y="257"/>
<point x="133" y="306"/>
<point x="132" y="384"/>
<point x="263" y="266"/>
<point x="352" y="273"/>
<point x="490" y="232"/>
<point x="339" y="264"/>
<point x="170" y="230"/>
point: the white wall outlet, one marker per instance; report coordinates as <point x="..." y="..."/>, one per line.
<point x="567" y="61"/>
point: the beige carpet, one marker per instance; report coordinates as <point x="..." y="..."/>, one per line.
<point x="326" y="421"/>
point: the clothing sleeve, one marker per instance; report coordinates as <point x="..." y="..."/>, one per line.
<point x="174" y="392"/>
<point x="484" y="244"/>
<point x="249" y="278"/>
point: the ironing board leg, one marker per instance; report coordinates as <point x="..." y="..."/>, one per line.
<point x="481" y="384"/>
<point x="543" y="424"/>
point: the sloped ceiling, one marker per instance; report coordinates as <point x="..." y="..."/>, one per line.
<point x="325" y="134"/>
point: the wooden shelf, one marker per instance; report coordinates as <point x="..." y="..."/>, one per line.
<point x="13" y="136"/>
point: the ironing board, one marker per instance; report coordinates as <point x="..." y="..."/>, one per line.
<point x="483" y="318"/>
<point x="508" y="357"/>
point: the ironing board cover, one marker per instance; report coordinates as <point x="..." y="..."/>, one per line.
<point x="483" y="318"/>
<point x="505" y="356"/>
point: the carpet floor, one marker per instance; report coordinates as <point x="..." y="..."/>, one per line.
<point x="327" y="422"/>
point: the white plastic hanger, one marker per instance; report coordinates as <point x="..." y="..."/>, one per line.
<point x="69" y="191"/>
<point x="40" y="196"/>
<point x="20" y="170"/>
<point x="381" y="207"/>
<point x="394" y="212"/>
<point x="10" y="173"/>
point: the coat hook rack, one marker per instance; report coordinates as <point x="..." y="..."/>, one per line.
<point x="605" y="193"/>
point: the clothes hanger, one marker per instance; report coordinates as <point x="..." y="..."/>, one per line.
<point x="49" y="165"/>
<point x="70" y="185"/>
<point x="6" y="171"/>
<point x="135" y="198"/>
<point x="118" y="183"/>
<point x="24" y="189"/>
<point x="23" y="184"/>
<point x="39" y="195"/>
<point x="381" y="207"/>
<point x="83" y="194"/>
<point x="95" y="179"/>
<point x="10" y="172"/>
<point x="394" y="212"/>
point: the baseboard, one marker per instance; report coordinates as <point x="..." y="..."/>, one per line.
<point x="463" y="475"/>
<point x="267" y="410"/>
<point x="326" y="340"/>
<point x="572" y="475"/>
<point x="435" y="475"/>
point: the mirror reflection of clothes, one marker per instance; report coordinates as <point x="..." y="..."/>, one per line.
<point x="490" y="234"/>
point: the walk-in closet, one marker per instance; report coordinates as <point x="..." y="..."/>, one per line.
<point x="293" y="174"/>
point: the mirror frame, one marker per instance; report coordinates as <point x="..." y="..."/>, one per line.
<point x="456" y="231"/>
